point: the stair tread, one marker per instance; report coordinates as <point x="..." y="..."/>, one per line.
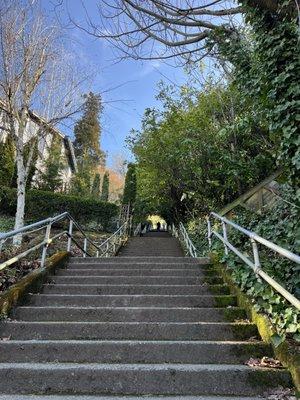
<point x="137" y="326"/>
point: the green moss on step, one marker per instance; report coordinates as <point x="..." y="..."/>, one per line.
<point x="271" y="378"/>
<point x="233" y="314"/>
<point x="214" y="280"/>
<point x="225" y="301"/>
<point x="219" y="289"/>
<point x="288" y="354"/>
<point x="257" y="350"/>
<point x="31" y="283"/>
<point x="244" y="331"/>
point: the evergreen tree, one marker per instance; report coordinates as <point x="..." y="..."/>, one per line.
<point x="50" y="178"/>
<point x="7" y="161"/>
<point x="88" y="131"/>
<point x="96" y="186"/>
<point x="129" y="194"/>
<point x="105" y="187"/>
<point x="82" y="180"/>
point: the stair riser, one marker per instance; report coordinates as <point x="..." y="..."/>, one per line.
<point x="133" y="290"/>
<point x="138" y="265"/>
<point x="80" y="397"/>
<point x="84" y="380"/>
<point x="130" y="272"/>
<point x="134" y="352"/>
<point x="151" y="260"/>
<point x="126" y="315"/>
<point x="119" y="280"/>
<point x="119" y="301"/>
<point x="129" y="331"/>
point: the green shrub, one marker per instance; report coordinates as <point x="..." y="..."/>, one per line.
<point x="41" y="204"/>
<point x="279" y="224"/>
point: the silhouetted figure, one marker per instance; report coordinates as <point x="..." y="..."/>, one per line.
<point x="158" y="226"/>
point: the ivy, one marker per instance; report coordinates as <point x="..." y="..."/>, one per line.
<point x="281" y="225"/>
<point x="267" y="69"/>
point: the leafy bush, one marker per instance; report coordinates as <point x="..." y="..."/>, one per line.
<point x="279" y="224"/>
<point x="40" y="204"/>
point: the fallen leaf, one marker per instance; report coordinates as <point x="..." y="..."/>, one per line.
<point x="265" y="362"/>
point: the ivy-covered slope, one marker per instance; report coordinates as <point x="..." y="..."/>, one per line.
<point x="281" y="225"/>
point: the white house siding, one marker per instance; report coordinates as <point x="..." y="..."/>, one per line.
<point x="44" y="144"/>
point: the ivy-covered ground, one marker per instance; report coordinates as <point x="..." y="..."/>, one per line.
<point x="279" y="224"/>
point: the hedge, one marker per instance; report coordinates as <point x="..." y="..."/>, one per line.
<point x="40" y="204"/>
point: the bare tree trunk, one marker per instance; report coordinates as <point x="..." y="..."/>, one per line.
<point x="21" y="182"/>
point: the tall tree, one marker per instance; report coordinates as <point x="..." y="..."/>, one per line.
<point x="129" y="194"/>
<point x="50" y="178"/>
<point x="105" y="187"/>
<point x="96" y="186"/>
<point x="88" y="131"/>
<point x="187" y="31"/>
<point x="34" y="75"/>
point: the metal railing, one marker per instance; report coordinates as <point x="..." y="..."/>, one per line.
<point x="137" y="230"/>
<point x="255" y="263"/>
<point x="183" y="236"/>
<point x="107" y="248"/>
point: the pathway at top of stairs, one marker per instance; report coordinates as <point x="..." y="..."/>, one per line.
<point x="152" y="244"/>
<point x="133" y="327"/>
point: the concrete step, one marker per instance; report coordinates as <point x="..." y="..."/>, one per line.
<point x="137" y="265"/>
<point x="147" y="352"/>
<point x="75" y="300"/>
<point x="149" y="259"/>
<point x="212" y="331"/>
<point x="130" y="272"/>
<point x="134" y="289"/>
<point x="129" y="314"/>
<point x="80" y="397"/>
<point x="129" y="280"/>
<point x="139" y="379"/>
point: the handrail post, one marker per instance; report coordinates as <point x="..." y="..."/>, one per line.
<point x="107" y="250"/>
<point x="84" y="247"/>
<point x="255" y="255"/>
<point x="70" y="235"/>
<point x="209" y="232"/>
<point x="45" y="247"/>
<point x="225" y="237"/>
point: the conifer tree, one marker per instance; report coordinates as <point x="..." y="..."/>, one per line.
<point x="129" y="194"/>
<point x="105" y="187"/>
<point x="96" y="186"/>
<point x="50" y="178"/>
<point x="7" y="161"/>
<point x="88" y="131"/>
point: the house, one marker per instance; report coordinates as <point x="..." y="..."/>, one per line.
<point x="45" y="141"/>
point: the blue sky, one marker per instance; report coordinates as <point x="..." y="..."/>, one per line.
<point x="138" y="81"/>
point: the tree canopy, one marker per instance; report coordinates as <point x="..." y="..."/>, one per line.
<point x="200" y="151"/>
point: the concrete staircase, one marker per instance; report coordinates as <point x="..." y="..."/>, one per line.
<point x="160" y="326"/>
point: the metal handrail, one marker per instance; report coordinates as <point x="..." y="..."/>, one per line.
<point x="137" y="230"/>
<point x="183" y="236"/>
<point x="255" y="264"/>
<point x="106" y="248"/>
